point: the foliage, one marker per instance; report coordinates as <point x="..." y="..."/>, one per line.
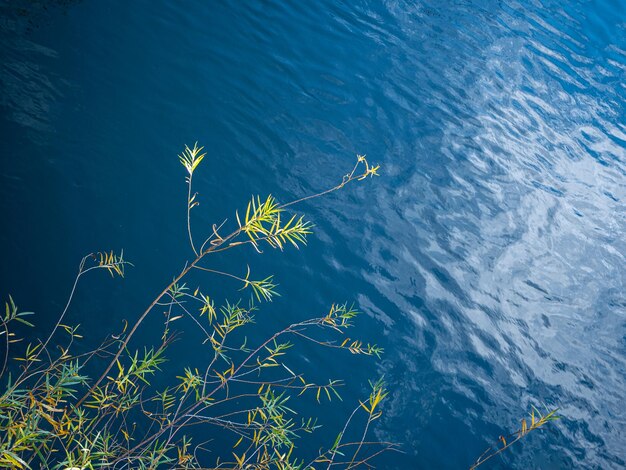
<point x="537" y="420"/>
<point x="54" y="415"/>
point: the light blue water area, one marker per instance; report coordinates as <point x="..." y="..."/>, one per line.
<point x="488" y="258"/>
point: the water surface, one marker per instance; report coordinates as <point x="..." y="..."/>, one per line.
<point x="488" y="258"/>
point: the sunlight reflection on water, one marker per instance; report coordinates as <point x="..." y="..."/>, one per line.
<point x="491" y="251"/>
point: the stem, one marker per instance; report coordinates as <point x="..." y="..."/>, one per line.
<point x="189" y="214"/>
<point x="81" y="271"/>
<point x="343" y="431"/>
<point x="134" y="329"/>
<point x="346" y="179"/>
<point x="245" y="281"/>
<point x="6" y="352"/>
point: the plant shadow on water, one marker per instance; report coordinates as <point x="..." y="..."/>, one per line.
<point x="487" y="259"/>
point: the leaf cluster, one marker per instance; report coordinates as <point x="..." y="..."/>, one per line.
<point x="55" y="415"/>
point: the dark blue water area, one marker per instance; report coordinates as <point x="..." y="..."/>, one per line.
<point x="488" y="259"/>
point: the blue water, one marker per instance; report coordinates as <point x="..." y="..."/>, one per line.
<point x="488" y="258"/>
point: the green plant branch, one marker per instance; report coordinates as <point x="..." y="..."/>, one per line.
<point x="370" y="171"/>
<point x="99" y="430"/>
<point x="537" y="421"/>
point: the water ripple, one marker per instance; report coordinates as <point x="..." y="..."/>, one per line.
<point x="491" y="251"/>
<point x="505" y="245"/>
